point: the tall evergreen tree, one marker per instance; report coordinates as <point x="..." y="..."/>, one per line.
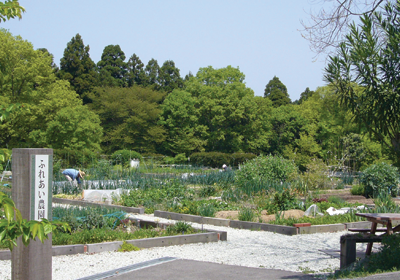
<point x="305" y="95"/>
<point x="170" y="78"/>
<point x="277" y="92"/>
<point x="136" y="74"/>
<point x="112" y="68"/>
<point x="77" y="67"/>
<point x="152" y="74"/>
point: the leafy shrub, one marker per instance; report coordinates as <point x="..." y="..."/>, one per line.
<point x="246" y="214"/>
<point x="285" y="200"/>
<point x="385" y="204"/>
<point x="207" y="191"/>
<point x="180" y="227"/>
<point x="378" y="178"/>
<point x="316" y="175"/>
<point x="93" y="219"/>
<point x="123" y="157"/>
<point x="265" y="169"/>
<point x="180" y="158"/>
<point x="206" y="210"/>
<point x="388" y="256"/>
<point x="357" y="189"/>
<point x="127" y="247"/>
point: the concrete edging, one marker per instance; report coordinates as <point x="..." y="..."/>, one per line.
<point x="86" y="203"/>
<point x="211" y="236"/>
<point x="287" y="230"/>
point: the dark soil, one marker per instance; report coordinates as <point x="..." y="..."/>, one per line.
<point x="346" y="196"/>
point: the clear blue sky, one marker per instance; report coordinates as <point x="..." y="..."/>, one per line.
<point x="260" y="37"/>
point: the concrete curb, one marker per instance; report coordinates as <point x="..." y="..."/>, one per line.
<point x="86" y="203"/>
<point x="287" y="230"/>
<point x="212" y="236"/>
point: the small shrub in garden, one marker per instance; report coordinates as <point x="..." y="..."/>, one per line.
<point x="246" y="214"/>
<point x="357" y="189"/>
<point x="206" y="210"/>
<point x="265" y="169"/>
<point x="379" y="178"/>
<point x="127" y="247"/>
<point x="207" y="191"/>
<point x="285" y="200"/>
<point x="93" y="219"/>
<point x="180" y="227"/>
<point x="315" y="177"/>
<point x="388" y="256"/>
<point x="385" y="204"/>
<point x="123" y="157"/>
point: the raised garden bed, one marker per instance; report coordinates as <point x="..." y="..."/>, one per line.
<point x="87" y="203"/>
<point x="203" y="237"/>
<point x="287" y="230"/>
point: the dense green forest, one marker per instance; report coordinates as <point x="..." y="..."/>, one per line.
<point x="121" y="103"/>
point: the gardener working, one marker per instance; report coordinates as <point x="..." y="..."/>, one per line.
<point x="73" y="174"/>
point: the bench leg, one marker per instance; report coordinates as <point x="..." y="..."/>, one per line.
<point x="347" y="253"/>
<point x="369" y="246"/>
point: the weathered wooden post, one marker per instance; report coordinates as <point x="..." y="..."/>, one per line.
<point x="32" y="172"/>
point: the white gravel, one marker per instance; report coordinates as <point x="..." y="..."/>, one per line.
<point x="244" y="248"/>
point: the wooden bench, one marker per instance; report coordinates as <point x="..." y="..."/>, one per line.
<point x="348" y="246"/>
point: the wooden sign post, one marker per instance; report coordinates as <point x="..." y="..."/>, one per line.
<point x="32" y="172"/>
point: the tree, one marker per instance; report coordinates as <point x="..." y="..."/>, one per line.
<point x="152" y="71"/>
<point x="228" y="109"/>
<point x="287" y="125"/>
<point x="75" y="129"/>
<point x="170" y="78"/>
<point x="53" y="65"/>
<point x="188" y="76"/>
<point x="371" y="60"/>
<point x="276" y="91"/>
<point x="112" y="67"/>
<point x="31" y="82"/>
<point x="136" y="74"/>
<point x="180" y="117"/>
<point x="22" y="69"/>
<point x="327" y="28"/>
<point x="77" y="67"/>
<point x="305" y="95"/>
<point x="129" y="117"/>
<point x="10" y="9"/>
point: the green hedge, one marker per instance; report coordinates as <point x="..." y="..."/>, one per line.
<point x="216" y="159"/>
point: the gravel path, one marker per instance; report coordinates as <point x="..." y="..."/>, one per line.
<point x="243" y="248"/>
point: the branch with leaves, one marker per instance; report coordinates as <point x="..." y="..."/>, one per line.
<point x="12" y="225"/>
<point x="10" y="9"/>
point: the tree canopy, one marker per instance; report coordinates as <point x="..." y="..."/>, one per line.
<point x="31" y="82"/>
<point x="277" y="92"/>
